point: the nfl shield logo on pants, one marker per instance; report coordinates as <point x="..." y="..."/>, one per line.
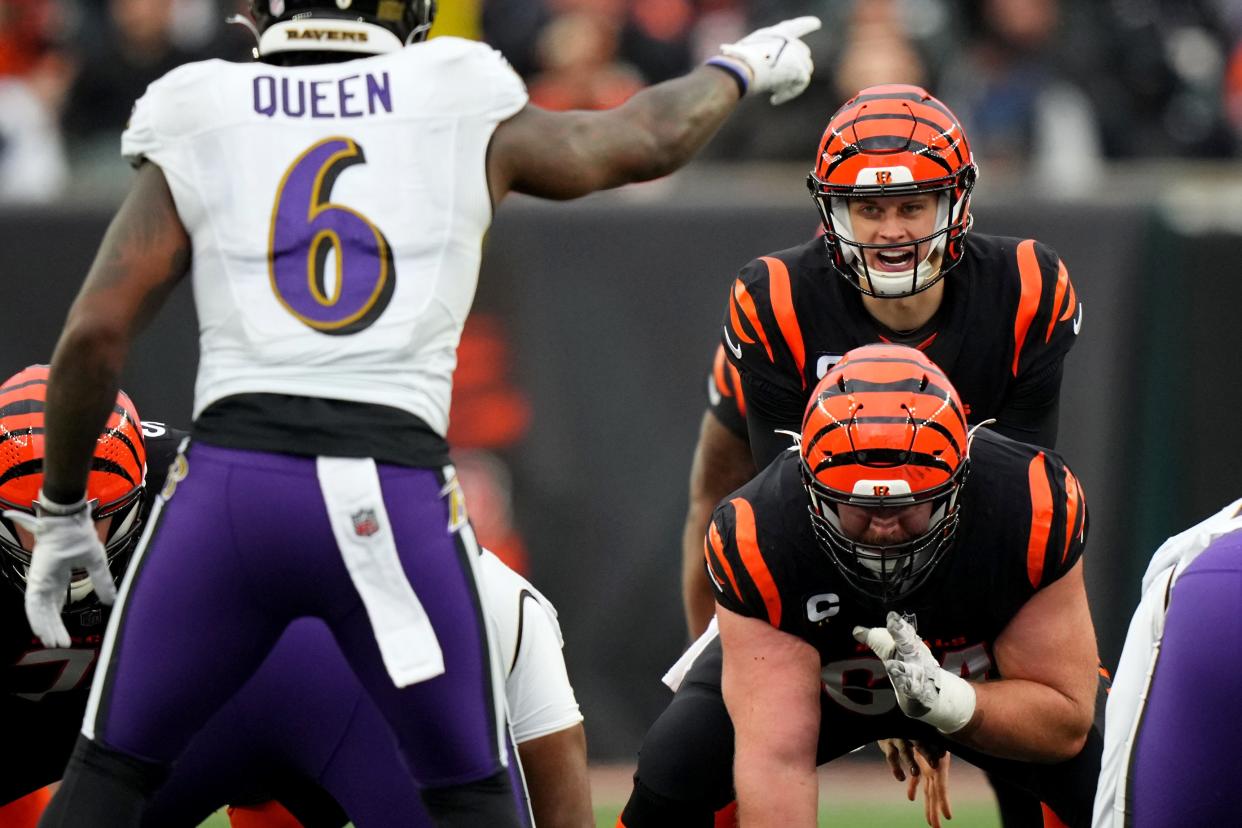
<point x="365" y="522"/>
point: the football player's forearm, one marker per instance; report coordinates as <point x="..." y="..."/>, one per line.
<point x="1027" y="721"/>
<point x="774" y="792"/>
<point x="666" y="124"/>
<point x="82" y="387"/>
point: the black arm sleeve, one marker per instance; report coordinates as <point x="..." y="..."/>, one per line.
<point x="769" y="408"/>
<point x="1032" y="410"/>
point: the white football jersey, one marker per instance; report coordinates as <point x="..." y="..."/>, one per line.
<point x="337" y="213"/>
<point x="1136" y="667"/>
<point x="540" y="697"/>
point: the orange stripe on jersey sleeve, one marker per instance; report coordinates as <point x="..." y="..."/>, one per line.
<point x="752" y="559"/>
<point x="1057" y="296"/>
<point x="739" y="395"/>
<point x="718" y="373"/>
<point x="1073" y="498"/>
<point x="736" y="322"/>
<point x="747" y="304"/>
<point x="1028" y="304"/>
<point x="1071" y="305"/>
<point x="782" y="305"/>
<point x="1041" y="519"/>
<point x="714" y="545"/>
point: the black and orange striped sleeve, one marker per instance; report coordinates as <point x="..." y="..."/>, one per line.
<point x="763" y="339"/>
<point x="725" y="397"/>
<point x="737" y="564"/>
<point x="761" y="334"/>
<point x="1049" y="312"/>
<point x="1057" y="529"/>
<point x="1044" y="328"/>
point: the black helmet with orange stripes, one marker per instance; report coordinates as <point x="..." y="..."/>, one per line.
<point x="894" y="140"/>
<point x="884" y="452"/>
<point x="114" y="487"/>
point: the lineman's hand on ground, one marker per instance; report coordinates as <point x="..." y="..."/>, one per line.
<point x="928" y="767"/>
<point x="772" y="60"/>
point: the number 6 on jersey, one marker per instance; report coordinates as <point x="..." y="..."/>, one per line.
<point x="308" y="228"/>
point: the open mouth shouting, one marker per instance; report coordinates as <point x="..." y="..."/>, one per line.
<point x="895" y="260"/>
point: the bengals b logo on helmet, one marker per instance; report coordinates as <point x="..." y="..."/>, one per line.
<point x="114" y="486"/>
<point x="884" y="429"/>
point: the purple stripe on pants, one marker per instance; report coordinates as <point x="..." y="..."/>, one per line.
<point x="244" y="547"/>
<point x="1188" y="739"/>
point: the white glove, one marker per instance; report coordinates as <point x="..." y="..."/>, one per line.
<point x="925" y="690"/>
<point x="65" y="540"/>
<point x="772" y="59"/>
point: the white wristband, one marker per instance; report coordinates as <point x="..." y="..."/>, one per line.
<point x="50" y="507"/>
<point x="955" y="703"/>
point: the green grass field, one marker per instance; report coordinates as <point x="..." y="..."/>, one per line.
<point x="879" y="815"/>
<point x="854" y="793"/>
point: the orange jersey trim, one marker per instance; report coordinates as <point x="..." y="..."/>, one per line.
<point x="1041" y="519"/>
<point x="786" y="319"/>
<point x="1062" y="284"/>
<point x="743" y="300"/>
<point x="752" y="559"/>
<point x="1070" y="306"/>
<point x="1073" y="496"/>
<point x="1028" y="304"/>
<point x="713" y="544"/>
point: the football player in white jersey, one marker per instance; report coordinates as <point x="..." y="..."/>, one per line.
<point x="1167" y="722"/>
<point x="329" y="202"/>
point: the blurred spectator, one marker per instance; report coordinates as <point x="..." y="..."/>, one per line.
<point x="878" y="49"/>
<point x="490" y="414"/>
<point x="1019" y="104"/>
<point x="137" y="49"/>
<point x="34" y="75"/>
<point x="577" y="53"/>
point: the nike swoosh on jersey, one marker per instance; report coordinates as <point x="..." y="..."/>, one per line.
<point x="713" y="395"/>
<point x="1078" y="320"/>
<point x="736" y="349"/>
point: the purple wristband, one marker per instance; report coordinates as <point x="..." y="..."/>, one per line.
<point x="734" y="70"/>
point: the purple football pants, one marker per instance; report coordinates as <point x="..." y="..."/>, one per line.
<point x="1186" y="749"/>
<point x="284" y="737"/>
<point x="243" y="547"/>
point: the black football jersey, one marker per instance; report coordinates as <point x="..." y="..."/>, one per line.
<point x="1009" y="316"/>
<point x="1022" y="526"/>
<point x="33" y="671"/>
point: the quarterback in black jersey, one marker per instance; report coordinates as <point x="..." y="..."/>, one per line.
<point x="45" y="689"/>
<point x="998" y="314"/>
<point x="889" y="518"/>
<point x="896" y="262"/>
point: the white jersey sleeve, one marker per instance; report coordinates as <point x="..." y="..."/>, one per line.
<point x="541" y="699"/>
<point x="336" y="213"/>
<point x="1139" y="655"/>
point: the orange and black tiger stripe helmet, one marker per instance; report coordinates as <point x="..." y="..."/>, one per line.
<point x="884" y="429"/>
<point x="114" y="486"/>
<point x="894" y="140"/>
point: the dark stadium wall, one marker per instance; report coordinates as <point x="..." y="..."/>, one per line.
<point x="613" y="307"/>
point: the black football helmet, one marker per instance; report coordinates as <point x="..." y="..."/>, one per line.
<point x="360" y="26"/>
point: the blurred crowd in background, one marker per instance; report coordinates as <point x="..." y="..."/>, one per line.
<point x="1051" y="87"/>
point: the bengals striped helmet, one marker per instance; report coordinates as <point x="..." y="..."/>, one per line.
<point x="884" y="430"/>
<point x="894" y="140"/>
<point x="114" y="487"/>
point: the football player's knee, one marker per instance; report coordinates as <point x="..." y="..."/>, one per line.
<point x="648" y="809"/>
<point x="488" y="801"/>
